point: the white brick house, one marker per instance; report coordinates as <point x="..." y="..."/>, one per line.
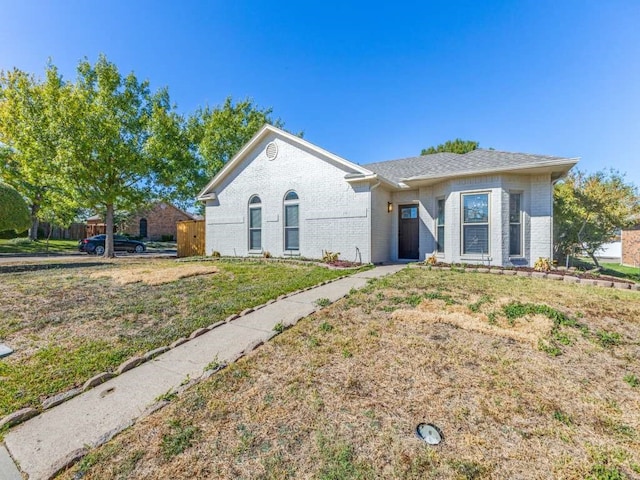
<point x="283" y="195"/>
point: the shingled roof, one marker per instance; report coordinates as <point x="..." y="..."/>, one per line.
<point x="449" y="164"/>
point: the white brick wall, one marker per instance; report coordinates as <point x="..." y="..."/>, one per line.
<point x="381" y="220"/>
<point x="428" y="216"/>
<point x="541" y="211"/>
<point x="334" y="215"/>
<point x="536" y="205"/>
<point x="352" y="219"/>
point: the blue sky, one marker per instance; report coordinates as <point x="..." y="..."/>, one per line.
<point x="373" y="81"/>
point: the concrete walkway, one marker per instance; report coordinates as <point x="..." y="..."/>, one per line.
<point x="44" y="444"/>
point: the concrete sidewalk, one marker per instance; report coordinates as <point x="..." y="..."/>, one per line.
<point x="46" y="443"/>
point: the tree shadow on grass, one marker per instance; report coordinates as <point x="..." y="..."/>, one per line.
<point x="34" y="267"/>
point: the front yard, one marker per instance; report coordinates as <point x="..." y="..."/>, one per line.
<point x="72" y="321"/>
<point x="25" y="246"/>
<point x="526" y="379"/>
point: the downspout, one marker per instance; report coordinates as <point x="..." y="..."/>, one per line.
<point x="371" y="189"/>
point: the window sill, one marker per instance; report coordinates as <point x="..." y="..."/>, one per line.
<point x="475" y="257"/>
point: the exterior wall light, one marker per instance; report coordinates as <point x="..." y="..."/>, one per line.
<point x="389" y="207"/>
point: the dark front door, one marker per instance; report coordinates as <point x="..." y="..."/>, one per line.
<point x="408" y="232"/>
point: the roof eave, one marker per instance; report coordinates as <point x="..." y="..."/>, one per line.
<point x="351" y="178"/>
<point x="560" y="167"/>
<point x="206" y="196"/>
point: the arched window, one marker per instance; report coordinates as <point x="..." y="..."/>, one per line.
<point x="291" y="221"/>
<point x="291" y="196"/>
<point x="255" y="223"/>
<point x="143" y="228"/>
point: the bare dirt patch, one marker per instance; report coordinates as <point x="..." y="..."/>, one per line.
<point x="531" y="329"/>
<point x="154" y="276"/>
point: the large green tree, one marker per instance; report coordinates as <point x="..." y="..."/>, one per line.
<point x="116" y="152"/>
<point x="30" y="160"/>
<point x="14" y="212"/>
<point x="218" y="133"/>
<point x="452" y="146"/>
<point x="589" y="210"/>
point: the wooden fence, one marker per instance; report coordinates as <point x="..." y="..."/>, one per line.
<point x="75" y="231"/>
<point x="190" y="238"/>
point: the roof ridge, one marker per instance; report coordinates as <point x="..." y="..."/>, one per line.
<point x="493" y="150"/>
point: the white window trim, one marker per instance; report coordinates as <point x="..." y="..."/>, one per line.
<point x="285" y="203"/>
<point x="249" y="229"/>
<point x="522" y="249"/>
<point x="476" y="256"/>
<point x="444" y="225"/>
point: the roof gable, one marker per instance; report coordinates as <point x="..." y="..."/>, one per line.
<point x="289" y="138"/>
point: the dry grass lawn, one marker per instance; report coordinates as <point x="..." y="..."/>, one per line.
<point x="154" y="276"/>
<point x="70" y="321"/>
<point x="527" y="379"/>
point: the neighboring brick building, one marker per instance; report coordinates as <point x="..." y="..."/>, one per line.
<point x="156" y="223"/>
<point x="631" y="246"/>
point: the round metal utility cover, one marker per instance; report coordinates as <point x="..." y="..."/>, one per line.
<point x="429" y="433"/>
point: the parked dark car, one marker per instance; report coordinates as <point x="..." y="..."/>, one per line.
<point x="95" y="244"/>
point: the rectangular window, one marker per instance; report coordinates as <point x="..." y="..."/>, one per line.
<point x="291" y="227"/>
<point x="475" y="223"/>
<point x="255" y="228"/>
<point x="440" y="227"/>
<point x="515" y="224"/>
<point x="408" y="213"/>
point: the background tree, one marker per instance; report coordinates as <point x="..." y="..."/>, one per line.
<point x="113" y="150"/>
<point x="14" y="212"/>
<point x="589" y="210"/>
<point x="30" y="125"/>
<point x="452" y="146"/>
<point x="175" y="169"/>
<point x="218" y="134"/>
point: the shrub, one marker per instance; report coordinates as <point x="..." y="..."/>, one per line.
<point x="329" y="257"/>
<point x="9" y="234"/>
<point x="215" y="254"/>
<point x="166" y="238"/>
<point x="20" y="241"/>
<point x="266" y="254"/>
<point x="14" y="212"/>
<point x="432" y="260"/>
<point x="542" y="265"/>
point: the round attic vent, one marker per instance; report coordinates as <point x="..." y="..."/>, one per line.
<point x="272" y="151"/>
